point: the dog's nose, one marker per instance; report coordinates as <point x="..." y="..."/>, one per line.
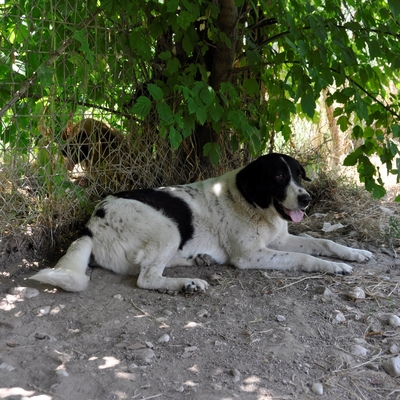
<point x="304" y="200"/>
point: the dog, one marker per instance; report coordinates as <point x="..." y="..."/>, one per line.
<point x="105" y="154"/>
<point x="240" y="218"/>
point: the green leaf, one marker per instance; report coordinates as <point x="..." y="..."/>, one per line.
<point x="251" y="86"/>
<point x="164" y="111"/>
<point x="394" y="6"/>
<point x="192" y="106"/>
<point x="378" y="191"/>
<point x="172" y="5"/>
<point x="396" y="130"/>
<point x="212" y="150"/>
<point x="207" y="95"/>
<point x="308" y="104"/>
<point x="397" y="199"/>
<point x="201" y="115"/>
<point x="45" y="75"/>
<point x="343" y="122"/>
<point x="142" y="106"/>
<point x="155" y="91"/>
<point x="81" y="36"/>
<point x="352" y="158"/>
<point x="175" y="138"/>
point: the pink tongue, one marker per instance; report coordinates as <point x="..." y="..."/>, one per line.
<point x="295" y="215"/>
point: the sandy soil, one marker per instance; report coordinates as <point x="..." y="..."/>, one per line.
<point x="254" y="335"/>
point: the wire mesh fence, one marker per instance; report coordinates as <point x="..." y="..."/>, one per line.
<point x="69" y="79"/>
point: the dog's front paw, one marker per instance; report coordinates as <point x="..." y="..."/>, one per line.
<point x="194" y="285"/>
<point x="338" y="268"/>
<point x="360" y="255"/>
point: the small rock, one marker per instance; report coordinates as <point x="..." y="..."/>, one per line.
<point x="161" y="319"/>
<point x="236" y="374"/>
<point x="203" y="313"/>
<point x="392" y="366"/>
<point x="337" y="317"/>
<point x="43" y="336"/>
<point x="358" y="350"/>
<point x="132" y="367"/>
<point x="167" y="312"/>
<point x="180" y="389"/>
<point x="317" y="388"/>
<point x="326" y="292"/>
<point x="394" y="321"/>
<point x="62" y="372"/>
<point x="163" y="338"/>
<point x="214" y="279"/>
<point x="190" y="349"/>
<point x="149" y="345"/>
<point x="280" y="318"/>
<point x="24" y="292"/>
<point x="144" y="355"/>
<point x="118" y="297"/>
<point x="42" y="310"/>
<point x="6" y="367"/>
<point x="356" y="293"/>
<point x="394" y="349"/>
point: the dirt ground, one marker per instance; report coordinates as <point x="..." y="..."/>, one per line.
<point x="254" y="335"/>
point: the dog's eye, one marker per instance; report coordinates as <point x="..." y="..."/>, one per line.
<point x="279" y="176"/>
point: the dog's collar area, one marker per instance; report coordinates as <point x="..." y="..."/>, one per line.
<point x="289" y="215"/>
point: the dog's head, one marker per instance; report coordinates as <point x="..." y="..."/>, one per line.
<point x="275" y="180"/>
<point x="88" y="141"/>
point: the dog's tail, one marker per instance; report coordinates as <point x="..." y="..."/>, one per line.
<point x="69" y="273"/>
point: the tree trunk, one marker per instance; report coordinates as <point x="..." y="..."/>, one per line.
<point x="220" y="65"/>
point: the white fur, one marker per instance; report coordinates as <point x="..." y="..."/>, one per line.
<point x="226" y="227"/>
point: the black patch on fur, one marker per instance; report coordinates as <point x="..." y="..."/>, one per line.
<point x="86" y="232"/>
<point x="264" y="181"/>
<point x="100" y="212"/>
<point x="171" y="206"/>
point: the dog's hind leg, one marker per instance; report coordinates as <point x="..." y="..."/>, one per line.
<point x="69" y="273"/>
<point x="152" y="262"/>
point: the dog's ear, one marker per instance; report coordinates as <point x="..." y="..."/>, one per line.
<point x="248" y="181"/>
<point x="82" y="140"/>
<point x="303" y="175"/>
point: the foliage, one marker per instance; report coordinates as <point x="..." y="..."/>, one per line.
<point x="240" y="68"/>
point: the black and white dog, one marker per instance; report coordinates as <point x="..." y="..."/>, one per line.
<point x="239" y="218"/>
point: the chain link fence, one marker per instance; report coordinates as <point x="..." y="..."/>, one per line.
<point x="69" y="79"/>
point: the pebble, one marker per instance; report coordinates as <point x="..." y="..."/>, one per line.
<point x="43" y="336"/>
<point x="144" y="355"/>
<point x="132" y="367"/>
<point x="392" y="366"/>
<point x="280" y="318"/>
<point x="203" y="313"/>
<point x="236" y="374"/>
<point x="167" y="312"/>
<point x="394" y="321"/>
<point x="317" y="388"/>
<point x="356" y="293"/>
<point x="62" y="372"/>
<point x="337" y="317"/>
<point x="394" y="349"/>
<point x="358" y="350"/>
<point x="24" y="292"/>
<point x="118" y="297"/>
<point x="163" y="338"/>
<point x="42" y="310"/>
<point x="326" y="292"/>
<point x="149" y="345"/>
<point x="6" y="367"/>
